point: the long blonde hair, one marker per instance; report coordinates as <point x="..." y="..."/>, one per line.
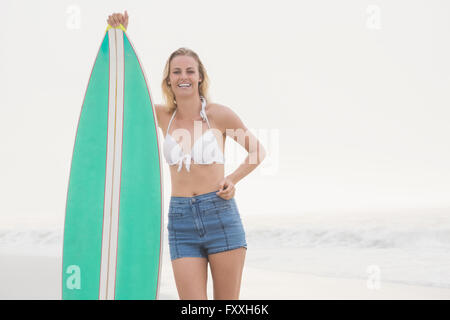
<point x="203" y="87"/>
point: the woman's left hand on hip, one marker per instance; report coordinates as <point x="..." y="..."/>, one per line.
<point x="226" y="189"/>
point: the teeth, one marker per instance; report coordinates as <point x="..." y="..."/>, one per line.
<point x="184" y="85"/>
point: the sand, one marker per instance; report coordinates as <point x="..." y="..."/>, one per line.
<point x="39" y="277"/>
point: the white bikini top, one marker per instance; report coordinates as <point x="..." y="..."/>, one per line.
<point x="204" y="151"/>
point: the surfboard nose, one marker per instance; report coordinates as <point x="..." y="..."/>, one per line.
<point x="119" y="27"/>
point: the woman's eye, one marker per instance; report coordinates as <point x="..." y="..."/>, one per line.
<point x="179" y="72"/>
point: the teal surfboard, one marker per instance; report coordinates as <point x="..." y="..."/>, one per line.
<point x="113" y="228"/>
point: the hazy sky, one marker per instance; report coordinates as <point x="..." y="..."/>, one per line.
<point x="353" y="96"/>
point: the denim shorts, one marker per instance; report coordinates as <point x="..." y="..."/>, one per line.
<point x="202" y="225"/>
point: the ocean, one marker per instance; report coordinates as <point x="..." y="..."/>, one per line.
<point x="409" y="247"/>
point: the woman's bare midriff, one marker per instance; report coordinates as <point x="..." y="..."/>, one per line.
<point x="202" y="178"/>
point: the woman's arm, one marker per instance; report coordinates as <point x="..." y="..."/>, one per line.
<point x="235" y="129"/>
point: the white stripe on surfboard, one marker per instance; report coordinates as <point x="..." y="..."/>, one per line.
<point x="113" y="165"/>
<point x="109" y="165"/>
<point x="117" y="167"/>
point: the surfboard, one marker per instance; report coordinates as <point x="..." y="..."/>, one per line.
<point x="113" y="229"/>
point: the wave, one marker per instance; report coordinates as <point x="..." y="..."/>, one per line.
<point x="37" y="238"/>
<point x="356" y="237"/>
<point x="303" y="234"/>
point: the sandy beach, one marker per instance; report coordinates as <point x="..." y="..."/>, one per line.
<point x="303" y="257"/>
<point x="39" y="277"/>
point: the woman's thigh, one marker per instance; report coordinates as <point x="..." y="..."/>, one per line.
<point x="191" y="275"/>
<point x="226" y="270"/>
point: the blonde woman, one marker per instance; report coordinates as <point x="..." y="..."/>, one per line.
<point x="204" y="222"/>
